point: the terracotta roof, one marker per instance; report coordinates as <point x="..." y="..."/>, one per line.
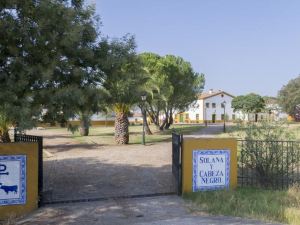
<point x="209" y="94"/>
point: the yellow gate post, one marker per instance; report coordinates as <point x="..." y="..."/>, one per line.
<point x="209" y="164"/>
<point x="18" y="179"/>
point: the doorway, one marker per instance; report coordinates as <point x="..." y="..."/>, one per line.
<point x="213" y="119"/>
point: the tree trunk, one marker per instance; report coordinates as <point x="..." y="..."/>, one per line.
<point x="170" y="121"/>
<point x="4" y="137"/>
<point x="163" y="125"/>
<point x="84" y="126"/>
<point x="145" y="123"/>
<point x="121" y="128"/>
<point x="154" y="117"/>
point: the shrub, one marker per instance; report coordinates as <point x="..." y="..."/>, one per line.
<point x="269" y="153"/>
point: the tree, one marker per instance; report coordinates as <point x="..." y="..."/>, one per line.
<point x="250" y="103"/>
<point x="46" y="59"/>
<point x="173" y="86"/>
<point x="78" y="73"/>
<point x="289" y="96"/>
<point x="23" y="64"/>
<point x="154" y="102"/>
<point x="123" y="81"/>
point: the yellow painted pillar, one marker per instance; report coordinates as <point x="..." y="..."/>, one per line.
<point x="209" y="164"/>
<point x="18" y="178"/>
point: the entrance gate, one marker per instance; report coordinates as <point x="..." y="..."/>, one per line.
<point x="58" y="181"/>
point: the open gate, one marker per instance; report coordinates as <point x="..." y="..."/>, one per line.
<point x="176" y="161"/>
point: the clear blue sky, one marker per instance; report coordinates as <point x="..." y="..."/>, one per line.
<point x="241" y="46"/>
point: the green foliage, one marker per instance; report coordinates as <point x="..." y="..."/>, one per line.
<point x="73" y="128"/>
<point x="123" y="73"/>
<point x="123" y="80"/>
<point x="172" y="85"/>
<point x="265" y="131"/>
<point x="47" y="60"/>
<point x="265" y="156"/>
<point x="251" y="103"/>
<point x="289" y="96"/>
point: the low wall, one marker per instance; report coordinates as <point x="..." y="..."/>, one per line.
<point x="209" y="164"/>
<point x="18" y="178"/>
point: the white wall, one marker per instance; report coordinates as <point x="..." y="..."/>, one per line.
<point x="218" y="99"/>
<point x="195" y="108"/>
<point x="206" y="113"/>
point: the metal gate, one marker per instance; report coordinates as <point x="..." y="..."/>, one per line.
<point x="176" y="161"/>
<point x="30" y="138"/>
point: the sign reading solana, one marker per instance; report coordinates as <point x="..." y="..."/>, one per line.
<point x="211" y="169"/>
<point x="12" y="179"/>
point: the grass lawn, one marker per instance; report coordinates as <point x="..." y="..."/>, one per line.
<point x="105" y="135"/>
<point x="266" y="205"/>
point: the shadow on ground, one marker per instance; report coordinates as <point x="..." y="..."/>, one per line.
<point x="88" y="178"/>
<point x="69" y="147"/>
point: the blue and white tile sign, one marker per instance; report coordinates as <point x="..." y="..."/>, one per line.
<point x="211" y="169"/>
<point x="12" y="179"/>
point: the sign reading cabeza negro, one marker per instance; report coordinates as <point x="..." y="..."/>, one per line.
<point x="211" y="169"/>
<point x="12" y="179"/>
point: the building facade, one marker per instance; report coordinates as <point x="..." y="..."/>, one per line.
<point x="209" y="108"/>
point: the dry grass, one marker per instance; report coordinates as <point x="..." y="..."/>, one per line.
<point x="236" y="131"/>
<point x="105" y="135"/>
<point x="266" y="205"/>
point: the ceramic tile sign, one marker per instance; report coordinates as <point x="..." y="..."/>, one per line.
<point x="211" y="169"/>
<point x="12" y="179"/>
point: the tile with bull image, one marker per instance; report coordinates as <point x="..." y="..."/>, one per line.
<point x="12" y="179"/>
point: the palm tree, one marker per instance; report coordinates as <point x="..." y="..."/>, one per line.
<point x="121" y="123"/>
<point x="4" y="129"/>
<point x="123" y="81"/>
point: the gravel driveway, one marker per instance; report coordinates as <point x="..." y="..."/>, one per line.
<point x="85" y="171"/>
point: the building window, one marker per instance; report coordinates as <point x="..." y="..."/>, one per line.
<point x="207" y="104"/>
<point x="213" y="105"/>
<point x="197" y="116"/>
<point x="233" y="116"/>
<point x="222" y="105"/>
<point x="187" y="116"/>
<point x="222" y="116"/>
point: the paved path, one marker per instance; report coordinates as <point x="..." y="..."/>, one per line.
<point x="165" y="210"/>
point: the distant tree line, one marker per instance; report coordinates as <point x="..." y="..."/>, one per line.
<point x="288" y="100"/>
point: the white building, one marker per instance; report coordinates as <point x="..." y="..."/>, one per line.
<point x="272" y="112"/>
<point x="210" y="108"/>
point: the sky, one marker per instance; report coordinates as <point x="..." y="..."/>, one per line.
<point x="241" y="46"/>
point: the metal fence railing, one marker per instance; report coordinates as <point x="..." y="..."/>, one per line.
<point x="18" y="137"/>
<point x="268" y="164"/>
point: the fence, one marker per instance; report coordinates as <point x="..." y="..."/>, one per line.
<point x="30" y="138"/>
<point x="268" y="164"/>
